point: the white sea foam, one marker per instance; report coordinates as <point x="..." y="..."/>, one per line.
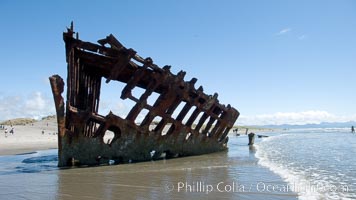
<point x="309" y="182"/>
<point x="288" y="175"/>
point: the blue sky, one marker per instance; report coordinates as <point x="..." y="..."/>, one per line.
<point x="276" y="61"/>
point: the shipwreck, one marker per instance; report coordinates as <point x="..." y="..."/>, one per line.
<point x="81" y="129"/>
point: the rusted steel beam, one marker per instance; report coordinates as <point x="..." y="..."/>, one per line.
<point x="82" y="129"/>
<point x="57" y="86"/>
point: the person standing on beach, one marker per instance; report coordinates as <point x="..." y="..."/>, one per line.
<point x="5" y="132"/>
<point x="352" y="129"/>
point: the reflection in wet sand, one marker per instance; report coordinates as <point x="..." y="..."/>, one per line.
<point x="152" y="180"/>
<point x="233" y="174"/>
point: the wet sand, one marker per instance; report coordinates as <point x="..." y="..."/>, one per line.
<point x="234" y="174"/>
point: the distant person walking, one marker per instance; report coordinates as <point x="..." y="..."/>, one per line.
<point x="352" y="129"/>
<point x="5" y="132"/>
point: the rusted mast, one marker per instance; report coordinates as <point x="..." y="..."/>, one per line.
<point x="81" y="128"/>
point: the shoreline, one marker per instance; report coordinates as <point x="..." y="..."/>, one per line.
<point x="26" y="149"/>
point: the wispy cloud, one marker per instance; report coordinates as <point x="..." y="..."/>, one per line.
<point x="284" y="31"/>
<point x="302" y="37"/>
<point x="34" y="105"/>
<point x="295" y="118"/>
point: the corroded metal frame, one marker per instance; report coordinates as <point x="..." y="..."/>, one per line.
<point x="81" y="128"/>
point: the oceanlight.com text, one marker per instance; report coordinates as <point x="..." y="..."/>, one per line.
<point x="263" y="187"/>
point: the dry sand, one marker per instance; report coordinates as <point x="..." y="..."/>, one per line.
<point x="29" y="138"/>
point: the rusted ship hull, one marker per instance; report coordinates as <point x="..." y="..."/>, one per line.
<point x="82" y="129"/>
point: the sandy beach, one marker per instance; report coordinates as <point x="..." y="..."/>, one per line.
<point x="29" y="137"/>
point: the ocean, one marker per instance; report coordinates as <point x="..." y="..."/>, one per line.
<point x="293" y="164"/>
<point x="316" y="163"/>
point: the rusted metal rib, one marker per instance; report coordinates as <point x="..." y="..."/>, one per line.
<point x="81" y="128"/>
